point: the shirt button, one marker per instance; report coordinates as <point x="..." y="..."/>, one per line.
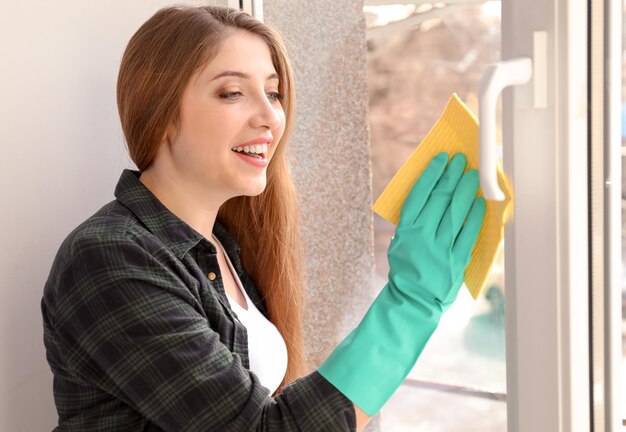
<point x="212" y="276"/>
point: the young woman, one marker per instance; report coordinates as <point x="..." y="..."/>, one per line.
<point x="177" y="306"/>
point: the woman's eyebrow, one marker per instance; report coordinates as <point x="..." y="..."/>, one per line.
<point x="241" y="75"/>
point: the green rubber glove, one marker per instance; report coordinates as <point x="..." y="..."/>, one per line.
<point x="439" y="224"/>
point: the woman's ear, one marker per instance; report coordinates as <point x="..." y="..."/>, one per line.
<point x="166" y="136"/>
<point x="170" y="133"/>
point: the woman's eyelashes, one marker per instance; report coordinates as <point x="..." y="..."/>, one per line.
<point x="275" y="96"/>
<point x="235" y="95"/>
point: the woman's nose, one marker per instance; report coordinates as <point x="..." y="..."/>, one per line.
<point x="266" y="114"/>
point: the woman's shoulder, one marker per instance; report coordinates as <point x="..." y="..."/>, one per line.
<point x="110" y="231"/>
<point x="111" y="223"/>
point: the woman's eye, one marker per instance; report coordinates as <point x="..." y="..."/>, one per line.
<point x="230" y="95"/>
<point x="275" y="96"/>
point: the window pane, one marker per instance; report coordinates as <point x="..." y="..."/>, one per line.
<point x="415" y="61"/>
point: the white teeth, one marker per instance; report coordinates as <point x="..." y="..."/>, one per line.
<point x="259" y="148"/>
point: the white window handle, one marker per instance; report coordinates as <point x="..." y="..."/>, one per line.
<point x="498" y="76"/>
<point x="495" y="79"/>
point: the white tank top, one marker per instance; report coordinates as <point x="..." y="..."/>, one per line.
<point x="266" y="347"/>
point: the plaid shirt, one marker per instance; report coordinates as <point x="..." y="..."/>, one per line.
<point x="140" y="339"/>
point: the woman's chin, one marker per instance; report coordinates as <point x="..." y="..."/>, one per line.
<point x="254" y="190"/>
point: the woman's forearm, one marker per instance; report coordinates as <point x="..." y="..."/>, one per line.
<point x="362" y="419"/>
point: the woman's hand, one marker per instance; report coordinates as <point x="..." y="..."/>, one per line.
<point x="439" y="224"/>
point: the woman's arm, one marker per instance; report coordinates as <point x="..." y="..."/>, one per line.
<point x="129" y="327"/>
<point x="439" y="223"/>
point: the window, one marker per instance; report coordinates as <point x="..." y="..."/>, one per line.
<point x="417" y="56"/>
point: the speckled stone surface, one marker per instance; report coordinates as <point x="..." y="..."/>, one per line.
<point x="330" y="160"/>
<point x="331" y="163"/>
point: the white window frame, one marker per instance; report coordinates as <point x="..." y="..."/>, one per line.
<point x="557" y="232"/>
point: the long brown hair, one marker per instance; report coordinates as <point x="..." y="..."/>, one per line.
<point x="158" y="62"/>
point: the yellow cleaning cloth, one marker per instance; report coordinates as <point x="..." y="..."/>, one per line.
<point x="455" y="131"/>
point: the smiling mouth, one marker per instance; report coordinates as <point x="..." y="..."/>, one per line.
<point x="257" y="151"/>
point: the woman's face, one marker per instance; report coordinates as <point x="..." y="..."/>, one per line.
<point x="232" y="102"/>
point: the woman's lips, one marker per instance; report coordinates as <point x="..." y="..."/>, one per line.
<point x="252" y="160"/>
<point x="259" y="162"/>
<point x="259" y="140"/>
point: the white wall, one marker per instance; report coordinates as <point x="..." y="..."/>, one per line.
<point x="62" y="152"/>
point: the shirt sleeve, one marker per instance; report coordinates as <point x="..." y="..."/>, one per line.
<point x="130" y="327"/>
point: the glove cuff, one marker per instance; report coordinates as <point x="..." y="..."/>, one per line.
<point x="374" y="359"/>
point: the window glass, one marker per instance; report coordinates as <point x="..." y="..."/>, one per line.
<point x="417" y="57"/>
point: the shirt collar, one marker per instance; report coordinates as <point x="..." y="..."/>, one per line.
<point x="160" y="221"/>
